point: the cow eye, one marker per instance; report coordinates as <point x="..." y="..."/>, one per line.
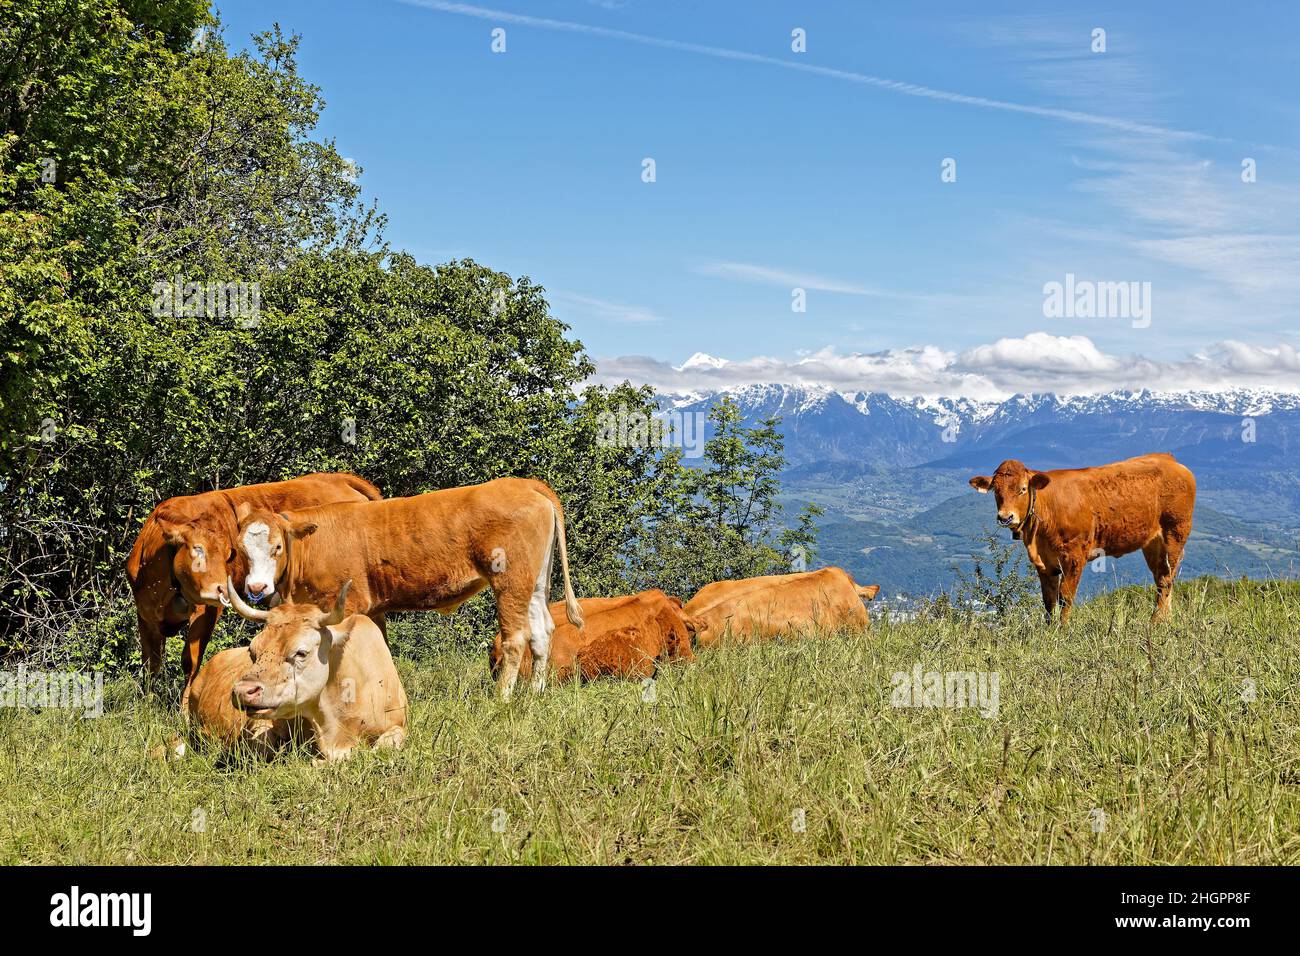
<point x="300" y="654"/>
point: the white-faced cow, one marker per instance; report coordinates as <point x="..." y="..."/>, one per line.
<point x="430" y="552"/>
<point x="186" y="549"/>
<point x="1068" y="517"/>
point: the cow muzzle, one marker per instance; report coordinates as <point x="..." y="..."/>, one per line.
<point x="249" y="695"/>
<point x="256" y="593"/>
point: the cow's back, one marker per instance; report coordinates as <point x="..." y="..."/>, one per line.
<point x="1123" y="505"/>
<point x="759" y="608"/>
<point x="364" y="689"/>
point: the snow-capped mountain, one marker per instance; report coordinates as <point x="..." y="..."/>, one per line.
<point x="1230" y="429"/>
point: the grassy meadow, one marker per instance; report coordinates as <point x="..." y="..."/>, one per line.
<point x="1156" y="729"/>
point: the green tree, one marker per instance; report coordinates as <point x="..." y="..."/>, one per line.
<point x="720" y="520"/>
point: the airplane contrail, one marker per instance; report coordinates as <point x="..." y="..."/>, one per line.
<point x="894" y="86"/>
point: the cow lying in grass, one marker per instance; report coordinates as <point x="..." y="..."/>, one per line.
<point x="751" y="609"/>
<point x="334" y="674"/>
<point x="429" y="552"/>
<point x="622" y="637"/>
<point x="1070" y="516"/>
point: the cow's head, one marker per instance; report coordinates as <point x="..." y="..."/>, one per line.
<point x="680" y="639"/>
<point x="291" y="655"/>
<point x="264" y="539"/>
<point x="204" y="552"/>
<point x="1011" y="485"/>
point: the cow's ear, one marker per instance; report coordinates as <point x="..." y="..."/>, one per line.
<point x="339" y="634"/>
<point x="1039" y="480"/>
<point x="173" y="533"/>
<point x="869" y="591"/>
<point x="981" y="483"/>
<point x="243" y="510"/>
<point x="298" y="527"/>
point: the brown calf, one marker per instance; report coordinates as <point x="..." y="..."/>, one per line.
<point x="430" y="552"/>
<point x="1069" y="516"/>
<point x="621" y="637"/>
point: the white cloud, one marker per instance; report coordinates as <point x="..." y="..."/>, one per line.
<point x="766" y="275"/>
<point x="601" y="309"/>
<point x="1038" y="362"/>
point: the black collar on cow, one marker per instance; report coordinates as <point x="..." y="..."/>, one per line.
<point x="1029" y="515"/>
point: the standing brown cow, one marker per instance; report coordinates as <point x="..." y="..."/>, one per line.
<point x="1069" y="516"/>
<point x="430" y="552"/>
<point x="186" y="549"/>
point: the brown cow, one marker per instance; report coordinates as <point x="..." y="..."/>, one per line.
<point x="1069" y="516"/>
<point x="781" y="604"/>
<point x="430" y="552"/>
<point x="180" y="561"/>
<point x="211" y="712"/>
<point x="332" y="672"/>
<point x="621" y="637"/>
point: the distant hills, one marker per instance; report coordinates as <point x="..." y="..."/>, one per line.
<point x="891" y="472"/>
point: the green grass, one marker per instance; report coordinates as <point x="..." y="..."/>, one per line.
<point x="1152" y="731"/>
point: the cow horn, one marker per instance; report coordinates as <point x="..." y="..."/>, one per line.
<point x="336" y="615"/>
<point x="252" y="613"/>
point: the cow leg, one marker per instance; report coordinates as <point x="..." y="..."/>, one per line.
<point x="1050" y="582"/>
<point x="513" y="643"/>
<point x="1071" y="572"/>
<point x="381" y="622"/>
<point x="540" y="624"/>
<point x="202" y="622"/>
<point x="151" y="649"/>
<point x="1163" y="565"/>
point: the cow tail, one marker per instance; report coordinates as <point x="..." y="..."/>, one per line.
<point x="360" y="484"/>
<point x="571" y="608"/>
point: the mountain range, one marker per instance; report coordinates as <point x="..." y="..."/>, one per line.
<point x="891" y="472"/>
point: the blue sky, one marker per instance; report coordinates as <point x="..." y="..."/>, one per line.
<point x="821" y="170"/>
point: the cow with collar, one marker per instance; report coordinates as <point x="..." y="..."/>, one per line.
<point x="1070" y="516"/>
